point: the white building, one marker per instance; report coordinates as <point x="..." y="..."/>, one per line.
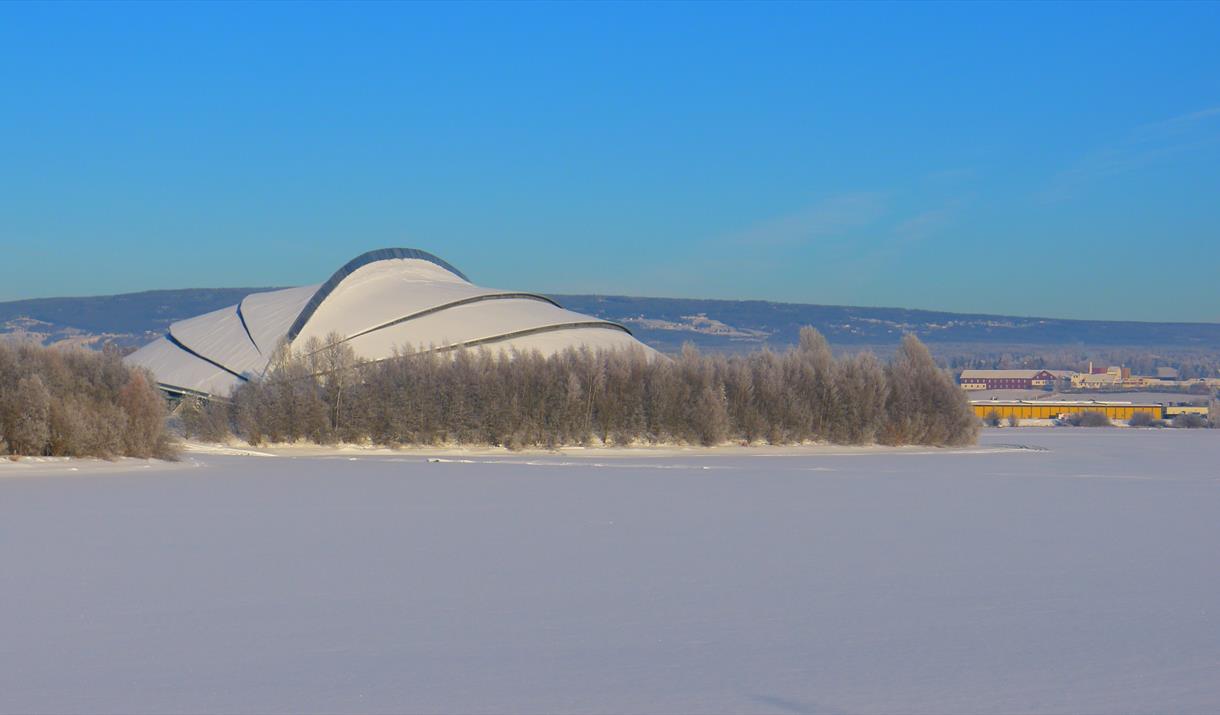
<point x="380" y="301"/>
<point x="1113" y="377"/>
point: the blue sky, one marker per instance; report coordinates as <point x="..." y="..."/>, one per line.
<point x="1047" y="159"/>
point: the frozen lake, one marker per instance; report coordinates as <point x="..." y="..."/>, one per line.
<point x="1080" y="576"/>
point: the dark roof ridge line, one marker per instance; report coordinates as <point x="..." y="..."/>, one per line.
<point x="508" y="295"/>
<point x="603" y="324"/>
<point x="183" y="346"/>
<point x="242" y="317"/>
<point x="364" y="259"/>
<point x="478" y="342"/>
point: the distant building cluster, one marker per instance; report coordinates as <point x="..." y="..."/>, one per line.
<point x="1095" y="378"/>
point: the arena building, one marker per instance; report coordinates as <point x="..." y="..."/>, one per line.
<point x="379" y="302"/>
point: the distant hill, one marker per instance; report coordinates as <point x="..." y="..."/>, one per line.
<point x="129" y="319"/>
<point x="740" y="324"/>
<point x="734" y="325"/>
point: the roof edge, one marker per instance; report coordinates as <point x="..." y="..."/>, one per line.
<point x="380" y="254"/>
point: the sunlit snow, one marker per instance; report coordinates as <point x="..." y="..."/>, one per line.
<point x="1065" y="570"/>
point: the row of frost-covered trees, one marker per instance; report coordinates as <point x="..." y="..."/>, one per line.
<point x="79" y="403"/>
<point x="321" y="393"/>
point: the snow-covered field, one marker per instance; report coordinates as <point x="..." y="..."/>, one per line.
<point x="1082" y="575"/>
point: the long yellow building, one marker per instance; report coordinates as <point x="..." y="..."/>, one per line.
<point x="1051" y="409"/>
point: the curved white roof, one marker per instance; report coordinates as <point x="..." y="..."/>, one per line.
<point x="380" y="301"/>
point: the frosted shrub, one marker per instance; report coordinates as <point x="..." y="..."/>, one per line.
<point x="70" y="402"/>
<point x="1090" y="419"/>
<point x="1189" y="421"/>
<point x="1143" y="419"/>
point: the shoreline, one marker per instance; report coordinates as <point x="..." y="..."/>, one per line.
<point x="190" y="450"/>
<point x="600" y="452"/>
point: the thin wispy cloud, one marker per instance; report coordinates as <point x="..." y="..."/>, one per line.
<point x="927" y="223"/>
<point x="863" y="235"/>
<point x="956" y="174"/>
<point x="828" y="218"/>
<point x="1188" y="119"/>
<point x="911" y="233"/>
<point x="1143" y="146"/>
<point x="828" y="223"/>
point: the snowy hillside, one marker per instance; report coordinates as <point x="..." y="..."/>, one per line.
<point x="665" y="323"/>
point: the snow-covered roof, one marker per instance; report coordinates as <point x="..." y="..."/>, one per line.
<point x="380" y="301"/>
<point x="999" y="374"/>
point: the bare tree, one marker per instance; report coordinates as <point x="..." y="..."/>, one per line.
<point x="207" y="420"/>
<point x="1143" y="419"/>
<point x="145" y="435"/>
<point x="1089" y="418"/>
<point x="520" y="399"/>
<point x="29" y="417"/>
<point x="72" y="402"/>
<point x="925" y="406"/>
<point x="1189" y="420"/>
<point x="862" y="390"/>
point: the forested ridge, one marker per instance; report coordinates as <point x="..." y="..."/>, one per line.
<point x="132" y="319"/>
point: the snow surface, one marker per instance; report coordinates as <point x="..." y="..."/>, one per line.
<point x="1049" y="571"/>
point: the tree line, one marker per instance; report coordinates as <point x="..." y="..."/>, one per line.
<point x="78" y="403"/>
<point x="322" y="393"/>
